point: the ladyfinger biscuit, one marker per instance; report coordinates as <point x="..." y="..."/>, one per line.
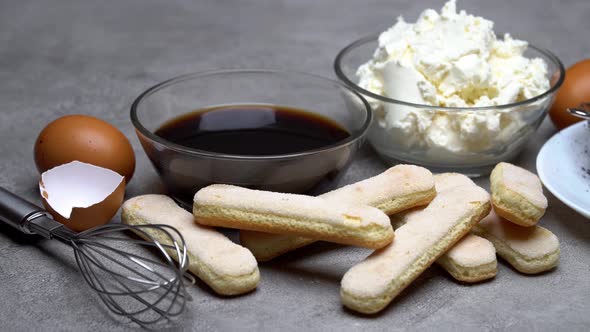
<point x="370" y="285"/>
<point x="517" y="194"/>
<point x="399" y="188"/>
<point x="528" y="249"/>
<point x="471" y="259"/>
<point x="271" y="212"/>
<point x="228" y="268"/>
<point x="444" y="181"/>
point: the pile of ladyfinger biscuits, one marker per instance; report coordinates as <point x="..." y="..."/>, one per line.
<point x="444" y="218"/>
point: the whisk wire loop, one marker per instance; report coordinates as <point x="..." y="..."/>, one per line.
<point x="143" y="281"/>
<point x="106" y="296"/>
<point x="141" y="288"/>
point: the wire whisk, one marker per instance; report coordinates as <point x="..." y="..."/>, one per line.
<point x="140" y="279"/>
<point x="582" y="111"/>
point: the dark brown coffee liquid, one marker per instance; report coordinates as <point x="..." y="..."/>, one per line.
<point x="253" y="130"/>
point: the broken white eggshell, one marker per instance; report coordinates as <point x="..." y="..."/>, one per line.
<point x="81" y="195"/>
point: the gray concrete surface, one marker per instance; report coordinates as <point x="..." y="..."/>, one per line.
<point x="95" y="57"/>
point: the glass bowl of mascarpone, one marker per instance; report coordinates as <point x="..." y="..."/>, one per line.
<point x="447" y="93"/>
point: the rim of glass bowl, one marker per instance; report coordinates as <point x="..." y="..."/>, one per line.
<point x="372" y="38"/>
<point x="355" y="136"/>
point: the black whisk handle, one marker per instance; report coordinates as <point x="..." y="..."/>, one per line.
<point x="17" y="211"/>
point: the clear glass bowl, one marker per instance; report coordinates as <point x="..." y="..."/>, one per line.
<point x="185" y="170"/>
<point x="474" y="154"/>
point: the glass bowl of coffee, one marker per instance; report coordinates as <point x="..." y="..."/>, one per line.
<point x="261" y="129"/>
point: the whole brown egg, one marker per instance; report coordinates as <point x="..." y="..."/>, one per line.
<point x="574" y="91"/>
<point x="86" y="139"/>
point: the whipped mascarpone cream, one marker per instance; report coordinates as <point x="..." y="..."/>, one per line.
<point x="451" y="59"/>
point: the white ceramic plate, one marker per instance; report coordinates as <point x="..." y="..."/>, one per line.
<point x="563" y="164"/>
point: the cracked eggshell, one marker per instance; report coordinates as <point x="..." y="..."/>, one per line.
<point x="81" y="195"/>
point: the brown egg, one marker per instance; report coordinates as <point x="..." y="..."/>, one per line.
<point x="574" y="91"/>
<point x="87" y="139"/>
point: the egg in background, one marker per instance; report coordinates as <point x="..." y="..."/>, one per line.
<point x="574" y="91"/>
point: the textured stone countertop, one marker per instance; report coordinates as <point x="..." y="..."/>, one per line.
<point x="94" y="57"/>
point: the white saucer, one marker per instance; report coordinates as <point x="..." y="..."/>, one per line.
<point x="563" y="164"/>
